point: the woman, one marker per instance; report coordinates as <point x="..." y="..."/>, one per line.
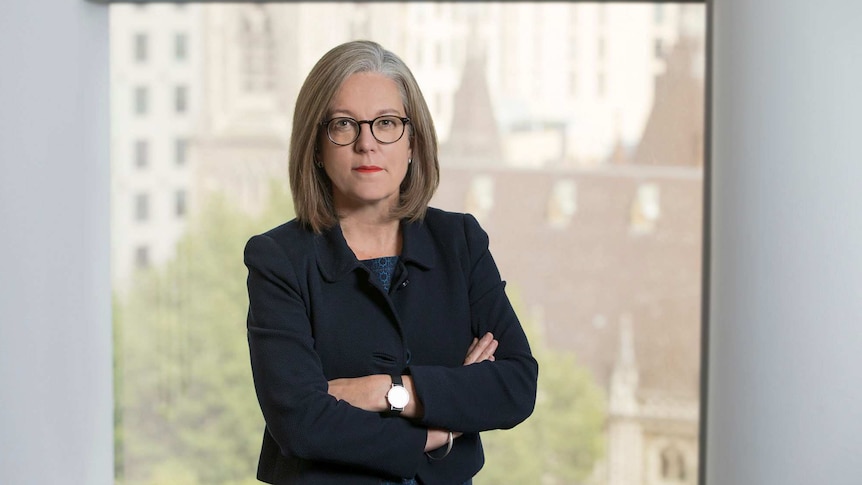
<point x="381" y="339"/>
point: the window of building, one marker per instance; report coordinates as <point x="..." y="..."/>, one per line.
<point x="142" y="257"/>
<point x="180" y="206"/>
<point x="480" y="197"/>
<point x="562" y="204"/>
<point x="141" y="47"/>
<point x="142" y="153"/>
<point x="181" y="101"/>
<point x="257" y="43"/>
<point x="181" y="46"/>
<point x="181" y="148"/>
<point x="673" y="465"/>
<point x="142" y="100"/>
<point x="142" y="207"/>
<point x="646" y="209"/>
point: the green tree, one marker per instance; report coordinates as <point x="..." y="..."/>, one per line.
<point x="563" y="438"/>
<point x="186" y="411"/>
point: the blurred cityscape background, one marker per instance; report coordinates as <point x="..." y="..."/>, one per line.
<point x="572" y="131"/>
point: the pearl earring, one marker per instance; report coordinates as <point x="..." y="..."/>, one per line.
<point x="409" y="161"/>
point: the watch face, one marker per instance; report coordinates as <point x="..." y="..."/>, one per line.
<point x="398" y="397"/>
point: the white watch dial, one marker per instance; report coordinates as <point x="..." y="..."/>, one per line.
<point x="398" y="397"/>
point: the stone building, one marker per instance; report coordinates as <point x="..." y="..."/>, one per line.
<point x="608" y="260"/>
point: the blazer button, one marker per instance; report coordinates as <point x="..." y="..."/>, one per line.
<point x="409" y="356"/>
<point x="404" y="285"/>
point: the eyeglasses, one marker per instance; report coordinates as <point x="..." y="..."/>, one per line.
<point x="385" y="129"/>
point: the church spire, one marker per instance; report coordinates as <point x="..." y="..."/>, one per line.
<point x="474" y="139"/>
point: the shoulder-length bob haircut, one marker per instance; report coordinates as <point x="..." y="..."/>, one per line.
<point x="310" y="186"/>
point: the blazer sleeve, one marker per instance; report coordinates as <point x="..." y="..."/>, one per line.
<point x="486" y="395"/>
<point x="291" y="387"/>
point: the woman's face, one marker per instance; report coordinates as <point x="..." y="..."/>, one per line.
<point x="366" y="172"/>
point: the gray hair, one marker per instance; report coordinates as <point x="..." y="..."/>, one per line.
<point x="310" y="186"/>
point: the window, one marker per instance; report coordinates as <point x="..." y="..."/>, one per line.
<point x="181" y="148"/>
<point x="575" y="165"/>
<point x="181" y="48"/>
<point x="142" y="257"/>
<point x="562" y="204"/>
<point x="181" y="102"/>
<point x="646" y="209"/>
<point x="180" y="203"/>
<point x="142" y="100"/>
<point x="141" y="47"/>
<point x="142" y="153"/>
<point x="673" y="465"/>
<point x="480" y="197"/>
<point x="257" y="43"/>
<point x="142" y="207"/>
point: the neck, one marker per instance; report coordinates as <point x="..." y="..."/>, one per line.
<point x="372" y="237"/>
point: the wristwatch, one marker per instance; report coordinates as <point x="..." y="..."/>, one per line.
<point x="397" y="397"/>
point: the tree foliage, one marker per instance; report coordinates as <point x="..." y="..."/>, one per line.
<point x="186" y="412"/>
<point x="563" y="438"/>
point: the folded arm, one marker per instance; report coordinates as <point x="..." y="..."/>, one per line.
<point x="497" y="391"/>
<point x="496" y="394"/>
<point x="369" y="392"/>
<point x="303" y="418"/>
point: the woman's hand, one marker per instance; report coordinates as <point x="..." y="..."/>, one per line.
<point x="438" y="437"/>
<point x="481" y="349"/>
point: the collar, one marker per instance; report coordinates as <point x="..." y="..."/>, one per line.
<point x="336" y="260"/>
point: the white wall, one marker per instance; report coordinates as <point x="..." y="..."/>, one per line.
<point x="785" y="390"/>
<point x="55" y="337"/>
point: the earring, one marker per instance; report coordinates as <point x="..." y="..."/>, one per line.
<point x="409" y="161"/>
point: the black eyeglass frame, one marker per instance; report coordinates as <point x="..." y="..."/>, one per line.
<point x="404" y="121"/>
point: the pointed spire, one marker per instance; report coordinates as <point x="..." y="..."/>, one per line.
<point x="673" y="134"/>
<point x="474" y="139"/>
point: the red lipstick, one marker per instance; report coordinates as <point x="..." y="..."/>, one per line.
<point x="368" y="169"/>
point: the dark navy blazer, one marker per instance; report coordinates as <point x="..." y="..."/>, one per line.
<point x="315" y="314"/>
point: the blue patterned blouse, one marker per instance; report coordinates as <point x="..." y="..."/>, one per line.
<point x="383" y="268"/>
